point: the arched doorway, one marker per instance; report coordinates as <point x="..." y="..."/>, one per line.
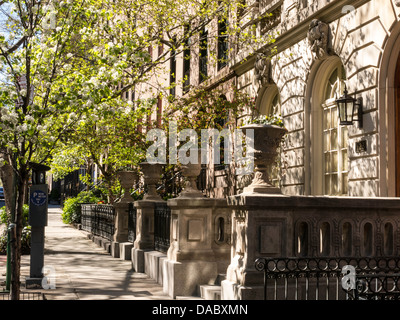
<point x="389" y="111"/>
<point x="397" y="126"/>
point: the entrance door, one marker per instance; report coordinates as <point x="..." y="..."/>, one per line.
<point x="397" y="126"/>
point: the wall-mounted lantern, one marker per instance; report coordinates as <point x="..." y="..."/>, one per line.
<point x="347" y="106"/>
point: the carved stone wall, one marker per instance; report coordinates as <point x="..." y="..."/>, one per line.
<point x="358" y="38"/>
<point x="290" y="226"/>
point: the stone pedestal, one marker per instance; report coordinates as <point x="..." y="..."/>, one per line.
<point x="199" y="248"/>
<point x="119" y="243"/>
<point x="144" y="232"/>
<point x="121" y="227"/>
<point x="262" y="226"/>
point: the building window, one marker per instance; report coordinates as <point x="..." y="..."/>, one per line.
<point x="203" y="55"/>
<point x="186" y="63"/>
<point x="222" y="44"/>
<point x="160" y="49"/>
<point x="221" y="123"/>
<point x="335" y="138"/>
<point x="172" y="72"/>
<point x="159" y="111"/>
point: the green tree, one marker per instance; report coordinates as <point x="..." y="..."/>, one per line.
<point x="61" y="63"/>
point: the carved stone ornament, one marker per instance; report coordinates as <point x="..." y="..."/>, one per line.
<point x="127" y="179"/>
<point x="262" y="70"/>
<point x="267" y="139"/>
<point x="151" y="175"/>
<point x="319" y="39"/>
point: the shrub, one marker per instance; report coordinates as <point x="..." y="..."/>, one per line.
<point x="5" y="218"/>
<point x="26" y="231"/>
<point x="72" y="210"/>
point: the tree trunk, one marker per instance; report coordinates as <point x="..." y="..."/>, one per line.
<point x="16" y="243"/>
<point x="7" y="178"/>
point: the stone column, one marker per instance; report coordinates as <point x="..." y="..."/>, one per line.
<point x="262" y="226"/>
<point x="145" y="216"/>
<point x="199" y="242"/>
<point x="120" y="247"/>
<point x="144" y="232"/>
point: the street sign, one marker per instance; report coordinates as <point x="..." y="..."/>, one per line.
<point x="38" y="198"/>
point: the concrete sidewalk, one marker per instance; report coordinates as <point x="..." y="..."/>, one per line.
<point x="84" y="271"/>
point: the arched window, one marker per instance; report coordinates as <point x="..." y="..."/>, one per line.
<point x="335" y="137"/>
<point x="302" y="239"/>
<point x="270" y="105"/>
<point x="347" y="239"/>
<point x="220" y="123"/>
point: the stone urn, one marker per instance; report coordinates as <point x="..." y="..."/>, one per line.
<point x="267" y="139"/>
<point x="127" y="180"/>
<point x="151" y="175"/>
<point x="191" y="171"/>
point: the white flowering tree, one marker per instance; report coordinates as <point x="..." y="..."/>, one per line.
<point x="61" y="68"/>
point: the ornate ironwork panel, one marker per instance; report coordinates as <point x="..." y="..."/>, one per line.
<point x="132" y="223"/>
<point x="103" y="222"/>
<point x="98" y="219"/>
<point x="162" y="221"/>
<point x="328" y="278"/>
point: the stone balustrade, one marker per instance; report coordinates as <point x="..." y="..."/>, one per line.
<point x="290" y="226"/>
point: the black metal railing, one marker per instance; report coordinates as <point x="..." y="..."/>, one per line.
<point x="86" y="216"/>
<point x="132" y="223"/>
<point x="330" y="278"/>
<point x="376" y="287"/>
<point x="98" y="219"/>
<point x="24" y="296"/>
<point x="162" y="221"/>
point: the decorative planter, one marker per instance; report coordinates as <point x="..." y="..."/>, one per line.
<point x="191" y="171"/>
<point x="151" y="175"/>
<point x="127" y="179"/>
<point x="267" y="139"/>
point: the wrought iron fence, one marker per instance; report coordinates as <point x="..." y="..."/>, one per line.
<point x="86" y="216"/>
<point x="24" y="296"/>
<point x="98" y="219"/>
<point x="132" y="223"/>
<point x="376" y="287"/>
<point x="162" y="221"/>
<point x="327" y="279"/>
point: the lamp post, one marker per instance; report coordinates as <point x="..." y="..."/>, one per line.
<point x="347" y="107"/>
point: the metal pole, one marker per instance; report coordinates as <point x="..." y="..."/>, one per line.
<point x="13" y="238"/>
<point x="8" y="272"/>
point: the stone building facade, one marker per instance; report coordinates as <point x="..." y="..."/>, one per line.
<point x="324" y="46"/>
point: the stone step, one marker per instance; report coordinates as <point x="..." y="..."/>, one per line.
<point x="210" y="292"/>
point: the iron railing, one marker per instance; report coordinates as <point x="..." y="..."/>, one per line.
<point x="327" y="279"/>
<point x="132" y="223"/>
<point x="24" y="296"/>
<point x="376" y="287"/>
<point x="162" y="221"/>
<point x="98" y="219"/>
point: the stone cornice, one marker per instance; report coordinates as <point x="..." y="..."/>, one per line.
<point x="294" y="30"/>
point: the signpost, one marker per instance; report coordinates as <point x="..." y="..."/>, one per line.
<point x="38" y="205"/>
